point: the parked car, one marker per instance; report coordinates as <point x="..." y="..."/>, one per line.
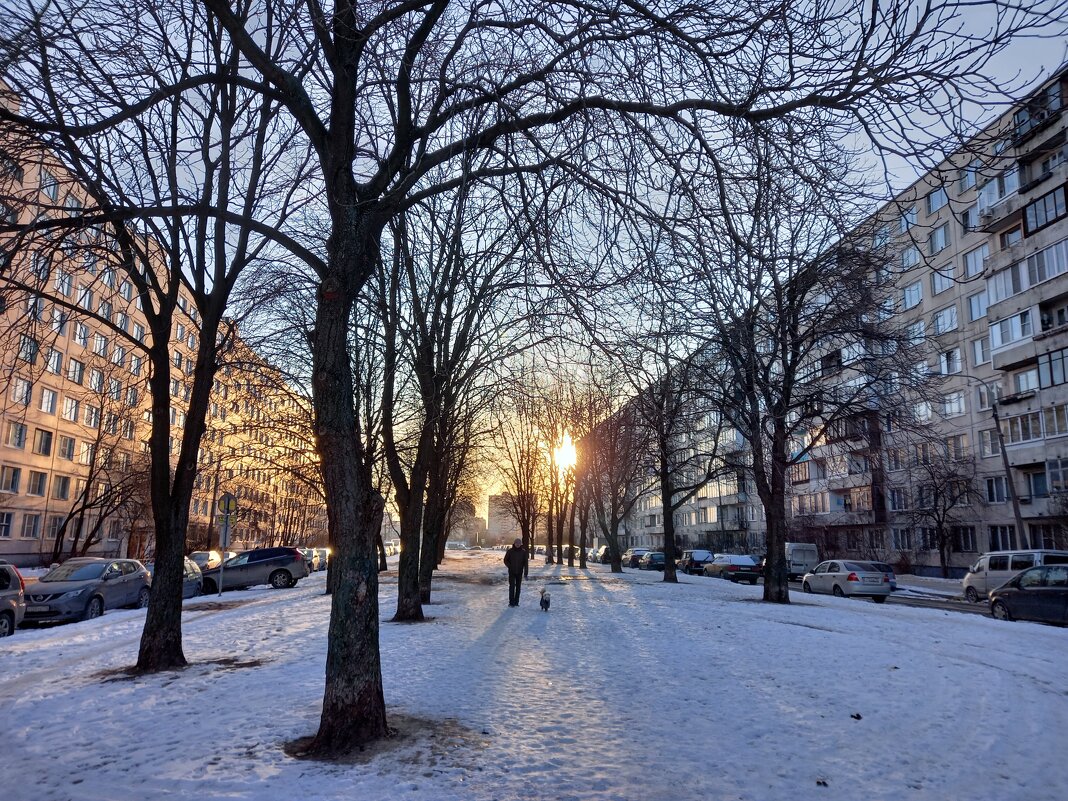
<point x="734" y="567"/>
<point x="324" y="558"/>
<point x="311" y="556"/>
<point x="192" y="579"/>
<point x="206" y="560"/>
<point x="279" y="567"/>
<point x="1038" y="593"/>
<point x="693" y="562"/>
<point x="632" y="556"/>
<point x="651" y="560"/>
<point x="84" y="587"/>
<point x="12" y="598"/>
<point x="889" y="570"/>
<point x="601" y="556"/>
<point x="848" y="579"/>
<point x="801" y="558"/>
<point x="993" y="569"/>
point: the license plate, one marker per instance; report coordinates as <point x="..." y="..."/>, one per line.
<point x="872" y="579"/>
<point x="38" y="609"/>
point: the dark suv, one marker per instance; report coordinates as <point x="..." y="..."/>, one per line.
<point x="12" y="598"/>
<point x="279" y="567"/>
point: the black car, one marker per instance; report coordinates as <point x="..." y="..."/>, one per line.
<point x="693" y="562"/>
<point x="279" y="567"/>
<point x="654" y="560"/>
<point x="1038" y="593"/>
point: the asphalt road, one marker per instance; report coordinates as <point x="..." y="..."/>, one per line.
<point x="949" y="604"/>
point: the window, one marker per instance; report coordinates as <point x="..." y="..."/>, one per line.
<point x="936" y="199"/>
<point x="10" y="478"/>
<point x="908" y="219"/>
<point x="86" y="453"/>
<point x="16" y="435"/>
<point x="31" y="526"/>
<point x="1011" y="237"/>
<point x="1002" y="538"/>
<point x="35" y="308"/>
<point x="42" y="442"/>
<point x="59" y="322"/>
<point x="1025" y="381"/>
<point x="1045" y="210"/>
<point x="85" y="298"/>
<point x="81" y="334"/>
<point x="92" y="415"/>
<point x="21" y="392"/>
<point x="981" y="350"/>
<point x="118" y="355"/>
<point x="895" y="459"/>
<point x="999" y="188"/>
<point x="995" y="489"/>
<point x="28" y="349"/>
<point x="100" y="344"/>
<point x="126" y="290"/>
<point x="1051" y="368"/>
<point x="5" y="525"/>
<point x="54" y="364"/>
<point x="963" y="539"/>
<point x="75" y="371"/>
<point x="916" y="332"/>
<point x="989" y="445"/>
<point x="910" y="257"/>
<point x="139" y="332"/>
<point x="1047" y="263"/>
<point x="135" y="365"/>
<point x="96" y="379"/>
<point x="969" y="219"/>
<point x="37" y="484"/>
<point x="974" y="261"/>
<point x="953" y="404"/>
<point x="115" y="389"/>
<point x="938" y="240"/>
<point x="941" y="280"/>
<point x="1037" y="486"/>
<point x="957" y="446"/>
<point x="49" y="400"/>
<point x="55" y="523"/>
<point x="921" y="411"/>
<point x="1023" y="428"/>
<point x="122" y="321"/>
<point x="945" y="320"/>
<point x="898" y="500"/>
<point x="976" y="306"/>
<point x="901" y="539"/>
<point x="949" y="362"/>
<point x="65" y="450"/>
<point x="912" y="295"/>
<point x="49" y="185"/>
<point x="1011" y="329"/>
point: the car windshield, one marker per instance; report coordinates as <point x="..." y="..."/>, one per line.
<point x="77" y="571"/>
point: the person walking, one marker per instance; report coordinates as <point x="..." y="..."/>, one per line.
<point x="516" y="560"/>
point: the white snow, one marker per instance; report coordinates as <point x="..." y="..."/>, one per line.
<point x="628" y="689"/>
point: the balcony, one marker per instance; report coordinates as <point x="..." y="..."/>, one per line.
<point x="1003" y="214"/>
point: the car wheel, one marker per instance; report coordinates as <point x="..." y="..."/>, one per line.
<point x="209" y="587"/>
<point x="7" y="624"/>
<point x="838" y="591"/>
<point x="753" y="580"/>
<point x="198" y="590"/>
<point x="94" y="609"/>
<point x="879" y="599"/>
<point x="1000" y="611"/>
<point x="971" y="595"/>
<point x="143" y="598"/>
<point x="807" y="587"/>
<point x="280" y="579"/>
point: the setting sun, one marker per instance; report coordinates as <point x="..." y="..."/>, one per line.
<point x="564" y="454"/>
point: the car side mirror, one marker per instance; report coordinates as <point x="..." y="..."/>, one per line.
<point x="110" y="575"/>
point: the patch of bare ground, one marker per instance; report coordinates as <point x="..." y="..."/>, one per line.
<point x="131" y="673"/>
<point x="422" y="743"/>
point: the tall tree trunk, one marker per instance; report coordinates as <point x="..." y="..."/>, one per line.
<point x="667" y="495"/>
<point x="773" y="497"/>
<point x="354" y="710"/>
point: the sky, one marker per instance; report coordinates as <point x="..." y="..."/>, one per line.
<point x="626" y="689"/>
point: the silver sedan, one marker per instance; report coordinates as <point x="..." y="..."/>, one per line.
<point x="848" y="578"/>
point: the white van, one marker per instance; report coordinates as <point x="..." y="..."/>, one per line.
<point x="801" y="558"/>
<point x="995" y="568"/>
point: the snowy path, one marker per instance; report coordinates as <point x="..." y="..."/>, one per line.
<point x="627" y="690"/>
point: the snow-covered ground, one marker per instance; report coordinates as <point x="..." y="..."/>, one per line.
<point x="628" y="690"/>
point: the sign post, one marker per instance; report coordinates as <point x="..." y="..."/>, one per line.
<point x="227" y="508"/>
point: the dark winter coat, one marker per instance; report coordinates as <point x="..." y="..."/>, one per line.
<point x="516" y="560"/>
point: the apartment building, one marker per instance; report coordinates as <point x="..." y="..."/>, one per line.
<point x="75" y="407"/>
<point x="980" y="284"/>
<point x="981" y="248"/>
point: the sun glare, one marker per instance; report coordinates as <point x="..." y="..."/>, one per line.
<point x="564" y="454"/>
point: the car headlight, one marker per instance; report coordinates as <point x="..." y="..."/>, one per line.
<point x="72" y="594"/>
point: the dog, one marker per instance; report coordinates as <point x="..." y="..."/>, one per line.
<point x="544" y="601"/>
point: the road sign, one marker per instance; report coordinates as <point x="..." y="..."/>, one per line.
<point x="227" y="504"/>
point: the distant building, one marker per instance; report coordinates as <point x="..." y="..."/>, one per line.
<point x="502" y="526"/>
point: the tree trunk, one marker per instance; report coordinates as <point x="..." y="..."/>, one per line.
<point x="667" y="494"/>
<point x="773" y="496"/>
<point x="383" y="566"/>
<point x="354" y="710"/>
